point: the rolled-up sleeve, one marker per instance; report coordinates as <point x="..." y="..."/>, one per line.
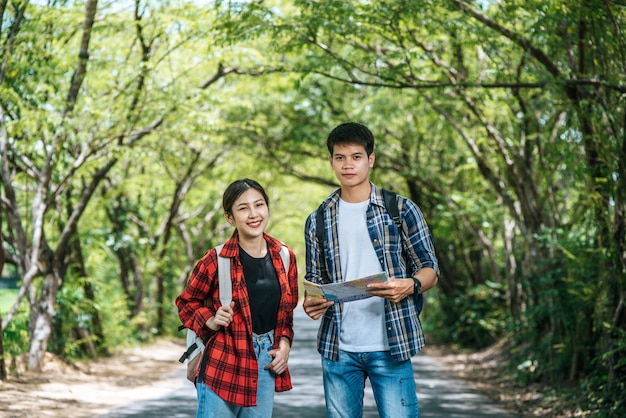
<point x="421" y="248"/>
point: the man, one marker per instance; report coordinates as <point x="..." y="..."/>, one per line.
<point x="375" y="337"/>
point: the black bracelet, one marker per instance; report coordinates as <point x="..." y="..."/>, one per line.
<point x="417" y="286"/>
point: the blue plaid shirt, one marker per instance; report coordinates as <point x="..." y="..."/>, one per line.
<point x="404" y="329"/>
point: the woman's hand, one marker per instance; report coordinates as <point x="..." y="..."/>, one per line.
<point x="280" y="355"/>
<point x="222" y="318"/>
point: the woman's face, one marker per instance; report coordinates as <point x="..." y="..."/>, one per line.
<point x="249" y="214"/>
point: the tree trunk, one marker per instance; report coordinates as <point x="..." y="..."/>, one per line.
<point x="3" y="368"/>
<point x="42" y="328"/>
<point x="138" y="295"/>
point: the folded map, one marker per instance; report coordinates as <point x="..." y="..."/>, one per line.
<point x="345" y="291"/>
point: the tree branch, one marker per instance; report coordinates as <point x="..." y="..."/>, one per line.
<point x="83" y="56"/>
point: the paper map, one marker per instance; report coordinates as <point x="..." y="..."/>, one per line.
<point x="345" y="291"/>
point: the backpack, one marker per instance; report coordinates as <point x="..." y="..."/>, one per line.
<point x="391" y="205"/>
<point x="195" y="344"/>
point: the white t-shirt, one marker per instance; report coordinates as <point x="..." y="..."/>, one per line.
<point x="362" y="321"/>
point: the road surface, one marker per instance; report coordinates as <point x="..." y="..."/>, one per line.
<point x="440" y="395"/>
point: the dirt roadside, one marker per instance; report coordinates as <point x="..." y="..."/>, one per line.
<point x="90" y="389"/>
<point x="485" y="371"/>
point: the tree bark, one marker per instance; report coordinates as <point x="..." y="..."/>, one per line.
<point x="3" y="368"/>
<point x="42" y="328"/>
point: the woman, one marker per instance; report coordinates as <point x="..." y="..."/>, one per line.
<point x="248" y="342"/>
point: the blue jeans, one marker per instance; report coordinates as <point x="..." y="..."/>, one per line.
<point x="392" y="383"/>
<point x="212" y="406"/>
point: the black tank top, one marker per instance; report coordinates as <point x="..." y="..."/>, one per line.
<point x="263" y="290"/>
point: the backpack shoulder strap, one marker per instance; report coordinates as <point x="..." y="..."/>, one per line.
<point x="391" y="204"/>
<point x="223" y="273"/>
<point x="319" y="224"/>
<point x="320" y="231"/>
<point x="223" y="264"/>
<point x="284" y="255"/>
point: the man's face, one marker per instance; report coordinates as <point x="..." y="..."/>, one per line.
<point x="351" y="164"/>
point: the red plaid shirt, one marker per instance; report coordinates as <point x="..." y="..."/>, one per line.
<point x="231" y="370"/>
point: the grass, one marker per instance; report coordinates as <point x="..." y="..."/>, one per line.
<point x="7" y="299"/>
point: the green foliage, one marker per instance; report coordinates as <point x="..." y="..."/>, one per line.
<point x="560" y="317"/>
<point x="474" y="320"/>
<point x="15" y="336"/>
<point x="606" y="385"/>
<point x="119" y="329"/>
<point x="74" y="314"/>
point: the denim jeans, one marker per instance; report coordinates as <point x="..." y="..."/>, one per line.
<point x="212" y="406"/>
<point x="392" y="383"/>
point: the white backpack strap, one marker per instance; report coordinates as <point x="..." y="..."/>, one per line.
<point x="222" y="263"/>
<point x="223" y="274"/>
<point x="284" y="254"/>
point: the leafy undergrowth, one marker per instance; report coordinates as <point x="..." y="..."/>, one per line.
<point x="486" y="370"/>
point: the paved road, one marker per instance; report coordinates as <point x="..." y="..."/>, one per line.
<point x="440" y="395"/>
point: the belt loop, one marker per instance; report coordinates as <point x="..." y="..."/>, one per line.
<point x="260" y="337"/>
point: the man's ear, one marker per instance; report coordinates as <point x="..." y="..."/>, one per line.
<point x="371" y="159"/>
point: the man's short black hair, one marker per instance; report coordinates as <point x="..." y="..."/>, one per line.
<point x="351" y="133"/>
